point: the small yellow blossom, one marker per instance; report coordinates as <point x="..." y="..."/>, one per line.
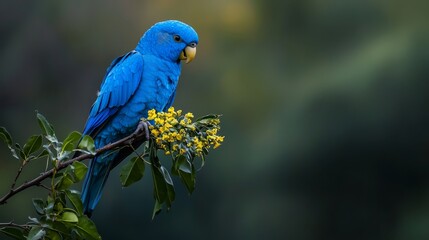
<point x="216" y="145"/>
<point x="159" y="121"/>
<point x="215" y="121"/>
<point x="164" y="129"/>
<point x="174" y="122"/>
<point x="212" y="132"/>
<point x="154" y="132"/>
<point x="165" y="137"/>
<point x="189" y="115"/>
<point x="182" y="151"/>
<point x="151" y="114"/>
<point x="168" y="125"/>
<point x="177" y="134"/>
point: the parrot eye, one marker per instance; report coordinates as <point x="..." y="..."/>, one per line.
<point x="177" y="38"/>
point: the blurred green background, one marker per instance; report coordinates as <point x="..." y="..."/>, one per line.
<point x="324" y="103"/>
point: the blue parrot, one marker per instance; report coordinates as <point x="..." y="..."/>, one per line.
<point x="143" y="79"/>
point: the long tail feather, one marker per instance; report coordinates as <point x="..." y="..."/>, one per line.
<point x="93" y="185"/>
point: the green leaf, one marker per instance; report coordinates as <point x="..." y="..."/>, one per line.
<point x="183" y="164"/>
<point x="61" y="227"/>
<point x="72" y="174"/>
<point x="169" y="186"/>
<point x="50" y="207"/>
<point x="74" y="199"/>
<point x="203" y="159"/>
<point x="39" y="205"/>
<point x="49" y="152"/>
<point x="53" y="235"/>
<point x="14" y="154"/>
<point x="186" y="172"/>
<point x="64" y="182"/>
<point x="46" y="127"/>
<point x="156" y="209"/>
<point x="69" y="217"/>
<point x="5" y="136"/>
<point x="132" y="171"/>
<point x="34" y="220"/>
<point x="12" y="232"/>
<point x="20" y="151"/>
<point x="207" y="118"/>
<point x="163" y="186"/>
<point x="43" y="154"/>
<point x="87" y="143"/>
<point x="80" y="170"/>
<point x="71" y="140"/>
<point x="61" y="156"/>
<point x="58" y="206"/>
<point x="163" y="189"/>
<point x="86" y="229"/>
<point x="36" y="233"/>
<point x="32" y="145"/>
<point x="159" y="186"/>
<point x="188" y="180"/>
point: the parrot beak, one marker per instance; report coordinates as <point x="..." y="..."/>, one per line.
<point x="188" y="54"/>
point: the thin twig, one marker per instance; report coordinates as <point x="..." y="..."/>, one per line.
<point x="138" y="134"/>
<point x="11" y="224"/>
<point x="24" y="162"/>
<point x="43" y="186"/>
<point x="141" y="156"/>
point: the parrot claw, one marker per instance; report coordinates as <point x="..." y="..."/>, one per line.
<point x="143" y="127"/>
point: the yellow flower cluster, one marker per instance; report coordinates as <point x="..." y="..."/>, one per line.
<point x="178" y="134"/>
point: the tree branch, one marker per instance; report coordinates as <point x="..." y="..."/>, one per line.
<point x="139" y="133"/>
<point x="11" y="224"/>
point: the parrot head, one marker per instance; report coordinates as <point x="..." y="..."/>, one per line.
<point x="171" y="40"/>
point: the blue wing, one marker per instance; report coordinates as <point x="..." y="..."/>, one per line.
<point x="120" y="83"/>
